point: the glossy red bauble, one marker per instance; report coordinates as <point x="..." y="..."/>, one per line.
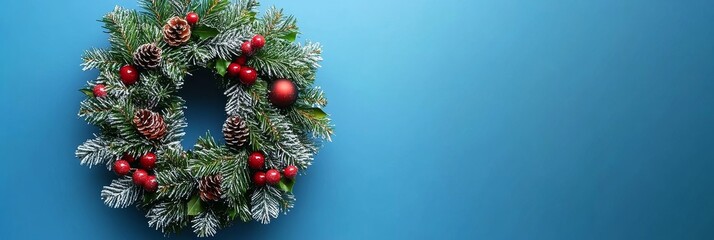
<point x="121" y="167"/>
<point x="233" y="69"/>
<point x="128" y="74"/>
<point x="283" y="93"/>
<point x="246" y="48"/>
<point x="99" y="90"/>
<point x="256" y="160"/>
<point x="259" y="178"/>
<point x="272" y="176"/>
<point x="248" y="75"/>
<point x="257" y="42"/>
<point x="139" y="177"/>
<point x="192" y="18"/>
<point x="148" y="161"/>
<point x="290" y="171"/>
<point x="241" y="60"/>
<point x="150" y="184"/>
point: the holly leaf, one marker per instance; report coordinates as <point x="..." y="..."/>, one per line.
<point x="316" y="113"/>
<point x="290" y="36"/>
<point x="286" y="184"/>
<point x="194" y="206"/>
<point x="204" y="32"/>
<point x="222" y="66"/>
<point x="87" y="92"/>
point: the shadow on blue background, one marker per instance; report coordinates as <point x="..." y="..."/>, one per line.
<point x="455" y="119"/>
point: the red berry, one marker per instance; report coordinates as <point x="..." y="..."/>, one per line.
<point x="128" y="74"/>
<point x="259" y="178"/>
<point x="248" y="75"/>
<point x="121" y="167"/>
<point x="148" y="161"/>
<point x="256" y="160"/>
<point x="128" y="157"/>
<point x="192" y="18"/>
<point x="233" y="69"/>
<point x="140" y="176"/>
<point x="246" y="48"/>
<point x="241" y="60"/>
<point x="290" y="171"/>
<point x="150" y="184"/>
<point x="272" y="176"/>
<point x="99" y="90"/>
<point x="258" y="41"/>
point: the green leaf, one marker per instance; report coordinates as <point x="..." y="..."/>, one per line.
<point x="222" y="66"/>
<point x="204" y="32"/>
<point x="290" y="36"/>
<point x="194" y="206"/>
<point x="87" y="92"/>
<point x="286" y="184"/>
<point x="316" y="113"/>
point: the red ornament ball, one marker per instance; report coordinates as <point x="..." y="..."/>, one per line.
<point x="256" y="160"/>
<point x="241" y="60"/>
<point x="128" y="157"/>
<point x="150" y="184"/>
<point x="272" y="176"/>
<point x="283" y="93"/>
<point x="259" y="178"/>
<point x="121" y="167"/>
<point x="246" y="48"/>
<point x="99" y="90"/>
<point x="148" y="161"/>
<point x="248" y="75"/>
<point x="128" y="74"/>
<point x="139" y="177"/>
<point x="192" y="18"/>
<point x="290" y="171"/>
<point x="233" y="70"/>
<point x="258" y="41"/>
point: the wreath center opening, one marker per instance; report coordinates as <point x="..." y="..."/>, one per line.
<point x="205" y="106"/>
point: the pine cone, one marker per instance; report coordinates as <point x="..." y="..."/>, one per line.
<point x="177" y="31"/>
<point x="150" y="124"/>
<point x="210" y="188"/>
<point x="235" y="131"/>
<point x="147" y="56"/>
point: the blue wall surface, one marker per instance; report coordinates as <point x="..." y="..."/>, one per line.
<point x="487" y="119"/>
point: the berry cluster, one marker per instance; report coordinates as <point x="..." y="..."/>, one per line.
<point x="141" y="176"/>
<point x="256" y="161"/>
<point x="237" y="69"/>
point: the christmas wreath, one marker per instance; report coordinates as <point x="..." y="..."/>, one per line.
<point x="274" y="127"/>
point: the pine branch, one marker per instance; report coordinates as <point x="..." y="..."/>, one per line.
<point x="168" y="216"/>
<point x="95" y="152"/>
<point x="121" y="193"/>
<point x="274" y="24"/>
<point x="209" y="10"/>
<point x="123" y="28"/>
<point x="158" y="10"/>
<point x="265" y="204"/>
<point x="96" y="58"/>
<point x="175" y="184"/>
<point x="205" y="224"/>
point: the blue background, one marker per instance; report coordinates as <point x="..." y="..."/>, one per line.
<point x="501" y="119"/>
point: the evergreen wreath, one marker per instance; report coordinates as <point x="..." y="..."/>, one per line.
<point x="274" y="127"/>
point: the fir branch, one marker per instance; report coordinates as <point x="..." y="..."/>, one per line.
<point x="94" y="152"/>
<point x="123" y="28"/>
<point x="265" y="204"/>
<point x="167" y="216"/>
<point x="176" y="183"/>
<point x="205" y="224"/>
<point x="158" y="10"/>
<point x="274" y="24"/>
<point x="96" y="110"/>
<point x="209" y="10"/>
<point x="227" y="44"/>
<point x="121" y="193"/>
<point x="236" y="179"/>
<point x="241" y="13"/>
<point x="319" y="126"/>
<point x="312" y="97"/>
<point x="96" y="58"/>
